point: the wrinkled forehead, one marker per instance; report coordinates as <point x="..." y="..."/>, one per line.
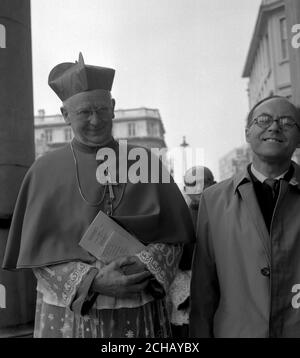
<point x="95" y="98"/>
<point x="276" y="107"/>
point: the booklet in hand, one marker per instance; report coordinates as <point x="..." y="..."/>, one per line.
<point x="107" y="240"/>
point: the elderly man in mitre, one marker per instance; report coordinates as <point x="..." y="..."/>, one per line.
<point x="77" y="294"/>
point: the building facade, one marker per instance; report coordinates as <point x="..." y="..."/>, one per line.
<point x="268" y="66"/>
<point x="140" y="126"/>
<point x="235" y="161"/>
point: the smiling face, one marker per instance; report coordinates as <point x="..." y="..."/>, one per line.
<point x="90" y="115"/>
<point x="273" y="143"/>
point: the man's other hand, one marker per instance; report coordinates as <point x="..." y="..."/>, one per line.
<point x="111" y="280"/>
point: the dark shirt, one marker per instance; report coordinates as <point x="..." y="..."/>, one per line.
<point x="266" y="199"/>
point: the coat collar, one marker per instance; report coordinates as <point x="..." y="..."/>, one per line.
<point x="244" y="177"/>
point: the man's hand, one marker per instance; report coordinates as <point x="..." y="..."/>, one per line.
<point x="111" y="280"/>
<point x="135" y="266"/>
<point x="154" y="287"/>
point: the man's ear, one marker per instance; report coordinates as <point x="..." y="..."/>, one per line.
<point x="64" y="112"/>
<point x="247" y="134"/>
<point x="113" y="103"/>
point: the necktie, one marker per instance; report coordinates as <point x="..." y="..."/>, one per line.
<point x="273" y="184"/>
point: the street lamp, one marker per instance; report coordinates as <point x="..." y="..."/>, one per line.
<point x="183" y="145"/>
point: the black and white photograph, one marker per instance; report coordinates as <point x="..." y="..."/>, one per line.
<point x="149" y="171"/>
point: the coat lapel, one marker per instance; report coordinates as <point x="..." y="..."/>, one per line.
<point x="248" y="196"/>
<point x="242" y="184"/>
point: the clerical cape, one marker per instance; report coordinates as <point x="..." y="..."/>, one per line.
<point x="51" y="215"/>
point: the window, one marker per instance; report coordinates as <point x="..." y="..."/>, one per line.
<point x="48" y="135"/>
<point x="283" y="39"/>
<point x="131" y="129"/>
<point x="152" y="129"/>
<point x="267" y="44"/>
<point x="68" y="134"/>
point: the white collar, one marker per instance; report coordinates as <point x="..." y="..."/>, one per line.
<point x="260" y="177"/>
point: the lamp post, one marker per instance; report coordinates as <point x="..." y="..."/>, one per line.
<point x="183" y="145"/>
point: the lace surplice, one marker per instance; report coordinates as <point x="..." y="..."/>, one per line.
<point x="66" y="307"/>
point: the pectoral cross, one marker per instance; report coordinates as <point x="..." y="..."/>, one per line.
<point x="110" y="184"/>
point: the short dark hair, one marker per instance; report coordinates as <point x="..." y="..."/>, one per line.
<point x="249" y="117"/>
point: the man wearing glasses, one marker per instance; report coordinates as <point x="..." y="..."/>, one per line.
<point x="246" y="268"/>
<point x="79" y="296"/>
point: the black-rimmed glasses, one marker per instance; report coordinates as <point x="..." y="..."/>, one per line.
<point x="265" y="121"/>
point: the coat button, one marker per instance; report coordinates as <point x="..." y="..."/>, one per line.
<point x="265" y="271"/>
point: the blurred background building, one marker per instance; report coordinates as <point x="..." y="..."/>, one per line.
<point x="271" y="66"/>
<point x="267" y="64"/>
<point x="235" y="161"/>
<point x="140" y="126"/>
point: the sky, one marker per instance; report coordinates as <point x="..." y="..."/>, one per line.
<point x="183" y="57"/>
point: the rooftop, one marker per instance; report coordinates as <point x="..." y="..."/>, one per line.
<point x="131" y="113"/>
<point x="265" y="8"/>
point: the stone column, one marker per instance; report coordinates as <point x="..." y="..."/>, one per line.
<point x="17" y="289"/>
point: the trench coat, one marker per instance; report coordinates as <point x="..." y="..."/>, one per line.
<point x="245" y="280"/>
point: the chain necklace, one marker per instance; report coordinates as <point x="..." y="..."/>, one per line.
<point x="79" y="186"/>
<point x="109" y="185"/>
